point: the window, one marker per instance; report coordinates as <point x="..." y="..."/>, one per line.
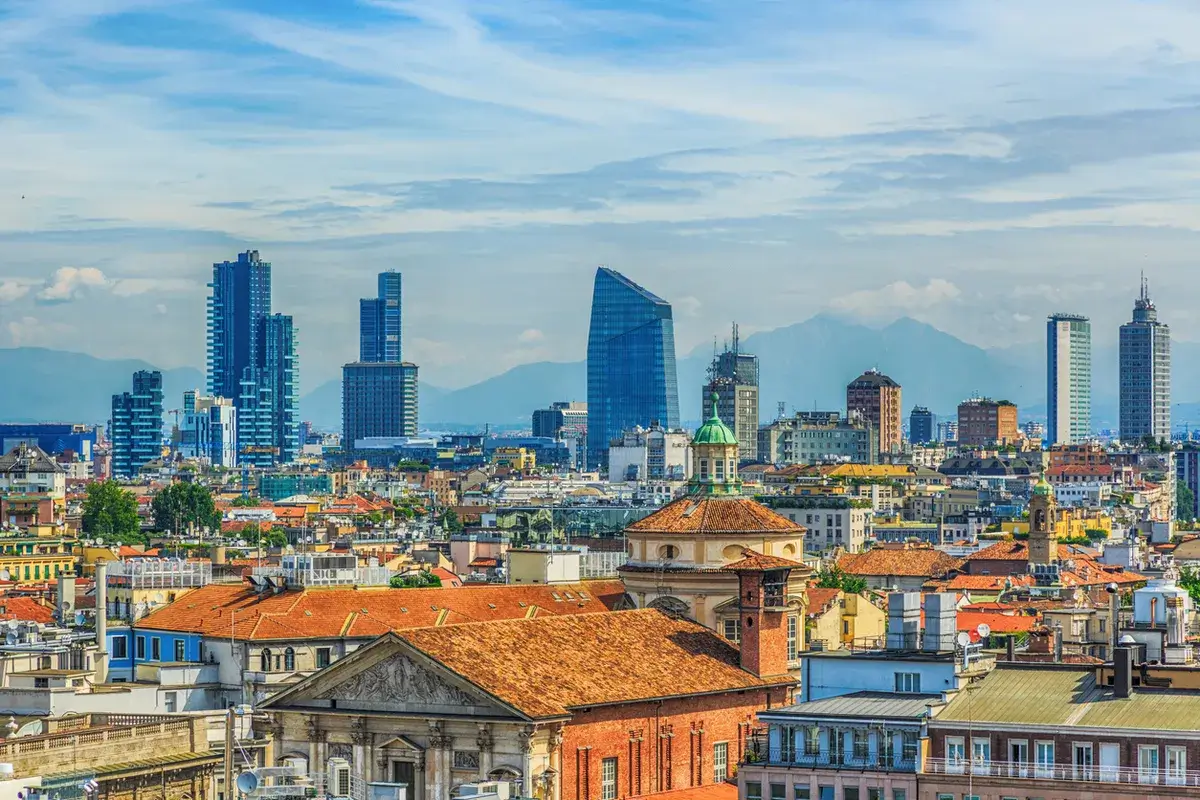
<point x="860" y="743"/>
<point x="608" y="779"/>
<point x="1176" y="765"/>
<point x="720" y="762"/>
<point x="753" y="791"/>
<point x="1082" y="754"/>
<point x="981" y="754"/>
<point x="169" y="702"/>
<point x="120" y="648"/>
<point x="908" y="682"/>
<point x="180" y="650"/>
<point x="1148" y="763"/>
<point x="289" y="659"/>
<point x="264" y="661"/>
<point x="945" y="797"/>
<point x="733" y="630"/>
<point x="141" y="647"/>
<point x="955" y="753"/>
<point x="1044" y="765"/>
<point x="720" y="465"/>
<point x="404" y="772"/>
<point x="825" y="793"/>
<point x="792" y="649"/>
<point x="156" y="649"/>
<point x="41" y="683"/>
<point x="323" y="657"/>
<point x="812" y="741"/>
<point x="899" y="794"/>
<point x="778" y="791"/>
<point x="874" y="793"/>
<point x="850" y="793"/>
<point x="801" y="791"/>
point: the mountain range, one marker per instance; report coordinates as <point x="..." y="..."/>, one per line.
<point x="804" y="366"/>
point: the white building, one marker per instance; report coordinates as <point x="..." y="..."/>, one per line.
<point x="209" y="430"/>
<point x="1069" y="378"/>
<point x="651" y="454"/>
<point x="830" y="522"/>
<point x="27" y="469"/>
<point x="1087" y="495"/>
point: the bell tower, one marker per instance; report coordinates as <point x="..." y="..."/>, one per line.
<point x="715" y="457"/>
<point x="762" y="605"/>
<point x="1043" y="528"/>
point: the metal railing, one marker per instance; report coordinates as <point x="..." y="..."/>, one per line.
<point x="1063" y="772"/>
<point x="781" y="757"/>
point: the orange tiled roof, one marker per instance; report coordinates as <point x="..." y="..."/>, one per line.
<point x="912" y="562"/>
<point x="449" y="579"/>
<point x="366" y="613"/>
<point x="598" y="659"/>
<point x="821" y="600"/>
<point x="25" y="609"/>
<point x="999" y="623"/>
<point x="753" y="561"/>
<point x="700" y="515"/>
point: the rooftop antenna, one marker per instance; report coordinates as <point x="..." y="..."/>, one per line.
<point x="781" y="409"/>
<point x="736" y="338"/>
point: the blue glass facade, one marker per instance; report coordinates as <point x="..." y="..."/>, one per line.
<point x="378" y="399"/>
<point x="631" y="362"/>
<point x="136" y="424"/>
<point x="53" y="437"/>
<point x="379" y="322"/>
<point x="241" y="297"/>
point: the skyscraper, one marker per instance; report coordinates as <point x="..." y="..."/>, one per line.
<point x="921" y="424"/>
<point x="733" y="377"/>
<point x="252" y="360"/>
<point x="379" y="391"/>
<point x="379" y="322"/>
<point x="1145" y="375"/>
<point x="630" y="362"/>
<point x="1068" y="378"/>
<point x="136" y="424"/>
<point x="876" y="398"/>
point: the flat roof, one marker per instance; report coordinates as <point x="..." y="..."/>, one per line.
<point x="872" y="705"/>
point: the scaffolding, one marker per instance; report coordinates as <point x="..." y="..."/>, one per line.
<point x="159" y="573"/>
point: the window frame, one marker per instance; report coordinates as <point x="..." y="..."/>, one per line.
<point x="720" y="762"/>
<point x="608" y="778"/>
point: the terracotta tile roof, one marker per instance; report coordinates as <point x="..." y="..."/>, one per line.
<point x="821" y="600"/>
<point x="982" y="583"/>
<point x="484" y="562"/>
<point x="597" y="659"/>
<point x="357" y="613"/>
<point x="914" y="562"/>
<point x="708" y="791"/>
<point x="699" y="515"/>
<point x="999" y="623"/>
<point x="753" y="561"/>
<point x="449" y="579"/>
<point x="25" y="609"/>
<point x="1005" y="550"/>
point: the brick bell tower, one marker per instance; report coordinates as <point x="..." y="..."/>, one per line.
<point x="762" y="605"/>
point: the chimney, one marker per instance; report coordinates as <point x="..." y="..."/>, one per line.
<point x="904" y="620"/>
<point x="1057" y="633"/>
<point x="1123" y="668"/>
<point x="941" y="623"/>
<point x="762" y="605"/>
<point x="65" y="600"/>
<point x="101" y="621"/>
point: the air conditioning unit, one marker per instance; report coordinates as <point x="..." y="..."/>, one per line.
<point x="485" y="790"/>
<point x="339" y="778"/>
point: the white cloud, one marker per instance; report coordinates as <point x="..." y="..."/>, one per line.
<point x="688" y="306"/>
<point x="30" y="331"/>
<point x="14" y="289"/>
<point x="530" y="335"/>
<point x="68" y="282"/>
<point x="897" y="299"/>
<point x="127" y="287"/>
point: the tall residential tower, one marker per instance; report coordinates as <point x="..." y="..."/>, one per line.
<point x="733" y="378"/>
<point x="136" y="424"/>
<point x="876" y="398"/>
<point x="379" y="391"/>
<point x="1145" y="374"/>
<point x="1068" y="379"/>
<point x="379" y="322"/>
<point x="630" y="363"/>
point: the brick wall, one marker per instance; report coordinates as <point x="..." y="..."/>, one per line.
<point x="657" y="746"/>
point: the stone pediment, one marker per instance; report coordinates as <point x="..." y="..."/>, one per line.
<point x="399" y="678"/>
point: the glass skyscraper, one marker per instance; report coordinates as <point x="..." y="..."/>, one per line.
<point x="379" y="322"/>
<point x="252" y="360"/>
<point x="1145" y="374"/>
<point x="136" y="424"/>
<point x="630" y="363"/>
<point x="1068" y="379"/>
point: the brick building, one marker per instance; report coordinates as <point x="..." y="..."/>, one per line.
<point x="982" y="421"/>
<point x="876" y="397"/>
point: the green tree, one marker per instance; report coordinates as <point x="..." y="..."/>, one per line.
<point x="1189" y="579"/>
<point x="110" y="512"/>
<point x="1185" y="501"/>
<point x="416" y="580"/>
<point x="835" y="578"/>
<point x="251" y="533"/>
<point x="276" y="537"/>
<point x="451" y="522"/>
<point x="244" y="501"/>
<point x="183" y="504"/>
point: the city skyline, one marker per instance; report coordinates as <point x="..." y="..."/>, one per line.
<point x="493" y="167"/>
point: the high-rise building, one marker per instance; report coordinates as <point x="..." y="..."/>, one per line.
<point x="565" y="422"/>
<point x="209" y="430"/>
<point x="876" y="398"/>
<point x="630" y="363"/>
<point x="379" y="399"/>
<point x="922" y="424"/>
<point x="733" y="377"/>
<point x="379" y="322"/>
<point x="252" y="359"/>
<point x="983" y="421"/>
<point x="1145" y="374"/>
<point x="1068" y="378"/>
<point x="136" y="424"/>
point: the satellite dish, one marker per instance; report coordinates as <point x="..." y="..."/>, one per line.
<point x="964" y="639"/>
<point x="247" y="782"/>
<point x="984" y="630"/>
<point x="5" y="575"/>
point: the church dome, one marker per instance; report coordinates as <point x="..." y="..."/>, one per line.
<point x="714" y="431"/>
<point x="1042" y="487"/>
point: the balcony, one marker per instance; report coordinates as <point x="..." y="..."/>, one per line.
<point x="1064" y="773"/>
<point x="779" y="757"/>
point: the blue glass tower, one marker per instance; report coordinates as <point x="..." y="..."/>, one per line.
<point x="379" y="322"/>
<point x="630" y="362"/>
<point x="241" y="297"/>
<point x="136" y="424"/>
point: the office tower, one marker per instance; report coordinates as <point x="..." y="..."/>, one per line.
<point x="565" y="422"/>
<point x="982" y="421"/>
<point x="136" y="424"/>
<point x="733" y="377"/>
<point x="378" y="400"/>
<point x="252" y="359"/>
<point x="630" y="363"/>
<point x="209" y="430"/>
<point x="1068" y="378"/>
<point x="1145" y="374"/>
<point x="379" y="391"/>
<point x="921" y="425"/>
<point x="876" y="398"/>
<point x="379" y="322"/>
<point x="819" y="438"/>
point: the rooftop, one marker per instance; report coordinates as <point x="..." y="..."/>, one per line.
<point x="912" y="562"/>
<point x="876" y="706"/>
<point x="716" y="515"/>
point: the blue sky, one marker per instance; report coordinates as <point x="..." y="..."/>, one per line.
<point x="972" y="164"/>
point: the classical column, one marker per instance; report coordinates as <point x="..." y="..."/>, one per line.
<point x="361" y="739"/>
<point x="316" y="738"/>
<point x="486" y="743"/>
<point x="700" y="610"/>
<point x="437" y="762"/>
<point x="275" y="731"/>
<point x="555" y="746"/>
<point x="525" y="736"/>
<point x="419" y="778"/>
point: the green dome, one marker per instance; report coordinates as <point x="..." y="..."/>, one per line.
<point x="714" y="431"/>
<point x="1042" y="487"/>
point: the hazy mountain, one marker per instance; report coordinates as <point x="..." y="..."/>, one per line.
<point x="43" y="385"/>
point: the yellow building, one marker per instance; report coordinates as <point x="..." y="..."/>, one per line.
<point x="836" y="619"/>
<point x="30" y="558"/>
<point x="517" y="458"/>
<point x="1070" y="523"/>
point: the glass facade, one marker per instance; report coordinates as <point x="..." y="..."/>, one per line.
<point x="241" y="296"/>
<point x="631" y="363"/>
<point x="136" y="424"/>
<point x="378" y="400"/>
<point x="1145" y="376"/>
<point x="379" y="322"/>
<point x="1069" y="378"/>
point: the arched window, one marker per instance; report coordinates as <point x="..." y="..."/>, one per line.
<point x="289" y="660"/>
<point x="265" y="660"/>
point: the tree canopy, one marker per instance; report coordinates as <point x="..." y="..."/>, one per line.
<point x="181" y="505"/>
<point x="416" y="580"/>
<point x="835" y="578"/>
<point x="111" y="512"/>
<point x="1185" y="501"/>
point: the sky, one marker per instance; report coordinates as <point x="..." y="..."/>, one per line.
<point x="975" y="165"/>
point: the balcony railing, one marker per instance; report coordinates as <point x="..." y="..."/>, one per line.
<point x="779" y="757"/>
<point x="1064" y="772"/>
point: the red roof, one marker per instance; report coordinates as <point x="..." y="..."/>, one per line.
<point x="449" y="579"/>
<point x="724" y="515"/>
<point x="25" y="609"/>
<point x="484" y="562"/>
<point x="821" y="600"/>
<point x="753" y="561"/>
<point x="999" y="623"/>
